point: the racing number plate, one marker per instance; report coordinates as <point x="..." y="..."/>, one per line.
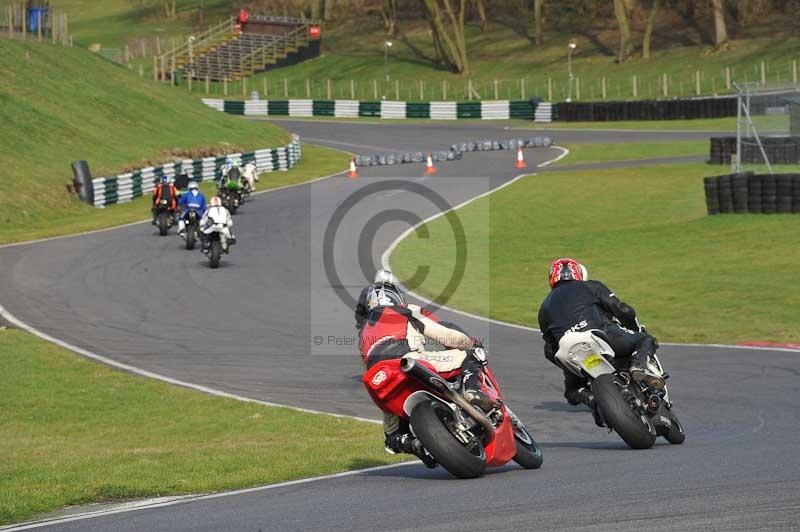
<point x="592" y="361"/>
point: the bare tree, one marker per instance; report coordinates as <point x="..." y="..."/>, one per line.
<point x="447" y="27"/>
<point x="648" y="32"/>
<point x="537" y="21"/>
<point x="481" y="8"/>
<point x="625" y="43"/>
<point x="720" y="29"/>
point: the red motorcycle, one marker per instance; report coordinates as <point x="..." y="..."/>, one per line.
<point x="461" y="437"/>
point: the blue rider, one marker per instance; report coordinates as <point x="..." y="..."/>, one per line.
<point x="193" y="200"/>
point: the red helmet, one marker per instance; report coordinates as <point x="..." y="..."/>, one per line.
<point x="567" y="270"/>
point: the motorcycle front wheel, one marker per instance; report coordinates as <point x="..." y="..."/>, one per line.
<point x="434" y="425"/>
<point x="634" y="428"/>
<point x="674" y="434"/>
<point x="529" y="454"/>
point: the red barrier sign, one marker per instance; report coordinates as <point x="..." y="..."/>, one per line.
<point x="314" y="32"/>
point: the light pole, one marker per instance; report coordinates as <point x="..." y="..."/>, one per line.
<point x="570" y="48"/>
<point x="386" y="46"/>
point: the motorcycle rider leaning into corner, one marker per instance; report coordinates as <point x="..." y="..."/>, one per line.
<point x="389" y="329"/>
<point x="193" y="200"/>
<point x="165" y="190"/>
<point x="577" y="304"/>
<point x="216" y="214"/>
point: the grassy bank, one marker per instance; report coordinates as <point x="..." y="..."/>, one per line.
<point x="76" y="432"/>
<point x="60" y="104"/>
<point x="644" y="231"/>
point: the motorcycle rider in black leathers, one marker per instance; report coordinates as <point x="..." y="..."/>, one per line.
<point x="578" y="304"/>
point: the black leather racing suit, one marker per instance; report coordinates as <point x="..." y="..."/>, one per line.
<point x="585" y="305"/>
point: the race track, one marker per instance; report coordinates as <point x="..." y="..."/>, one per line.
<point x="249" y="328"/>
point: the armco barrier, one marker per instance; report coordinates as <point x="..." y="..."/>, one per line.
<point x="124" y="187"/>
<point x="753" y="193"/>
<point x="390" y="109"/>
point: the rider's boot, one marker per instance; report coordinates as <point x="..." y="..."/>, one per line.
<point x="580" y="396"/>
<point x="471" y="374"/>
<point x="182" y="229"/>
<point x="638" y="369"/>
<point x="404" y="442"/>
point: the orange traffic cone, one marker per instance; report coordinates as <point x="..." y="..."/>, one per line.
<point x="520" y="159"/>
<point x="430" y="168"/>
<point x="353" y="171"/>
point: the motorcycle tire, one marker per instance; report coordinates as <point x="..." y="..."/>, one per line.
<point x="675" y="434"/>
<point x="215" y="253"/>
<point x="232" y="205"/>
<point x="529" y="454"/>
<point x="430" y="421"/>
<point x="636" y="430"/>
<point x="190" y="238"/>
<point x="163" y="223"/>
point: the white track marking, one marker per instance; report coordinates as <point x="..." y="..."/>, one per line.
<point x="161" y="502"/>
<point x="387" y="254"/>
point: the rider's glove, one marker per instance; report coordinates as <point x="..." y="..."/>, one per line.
<point x="478" y="354"/>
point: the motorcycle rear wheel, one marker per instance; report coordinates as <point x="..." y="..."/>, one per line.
<point x="190" y="238"/>
<point x="215" y="253"/>
<point x="431" y="421"/>
<point x="636" y="430"/>
<point x="163" y="223"/>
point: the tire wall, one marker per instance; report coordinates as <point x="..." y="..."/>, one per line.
<point x="779" y="150"/>
<point x="752" y="193"/>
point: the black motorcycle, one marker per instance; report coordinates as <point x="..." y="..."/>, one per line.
<point x="192" y="221"/>
<point x="164" y="217"/>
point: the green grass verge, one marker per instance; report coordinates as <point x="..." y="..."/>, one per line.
<point x="316" y="161"/>
<point x="644" y="231"/>
<point x="722" y="125"/>
<point x="113" y="23"/>
<point x="76" y="432"/>
<point x="779" y="123"/>
<point x="624" y="151"/>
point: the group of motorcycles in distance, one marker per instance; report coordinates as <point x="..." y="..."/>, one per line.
<point x="234" y="186"/>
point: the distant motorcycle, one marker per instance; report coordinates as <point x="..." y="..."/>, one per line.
<point x="250" y="177"/>
<point x="639" y="414"/>
<point x="192" y="228"/>
<point x="231" y="190"/>
<point x="165" y="218"/>
<point x="216" y="245"/>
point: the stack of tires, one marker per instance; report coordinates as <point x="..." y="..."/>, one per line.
<point x="750" y="193"/>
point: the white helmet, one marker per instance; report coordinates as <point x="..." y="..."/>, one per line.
<point x="386" y="276"/>
<point x="216" y="202"/>
<point x="192" y="185"/>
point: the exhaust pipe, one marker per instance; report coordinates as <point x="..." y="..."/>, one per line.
<point x="653" y="403"/>
<point x="438" y="384"/>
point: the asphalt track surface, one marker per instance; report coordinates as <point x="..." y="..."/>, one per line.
<point x="249" y="328"/>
